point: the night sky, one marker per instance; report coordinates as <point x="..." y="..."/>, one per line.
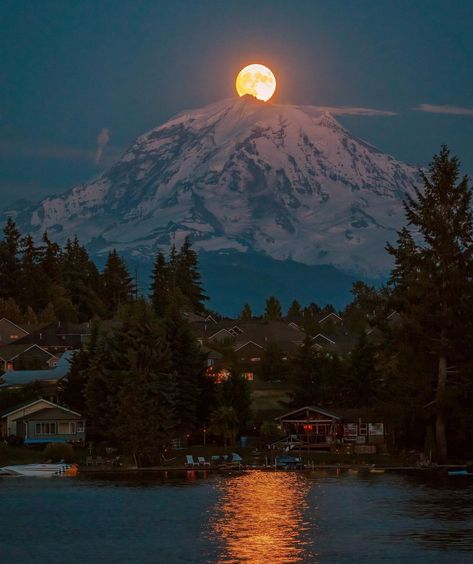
<point x="70" y="70"/>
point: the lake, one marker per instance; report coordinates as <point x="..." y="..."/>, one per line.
<point x="268" y="517"/>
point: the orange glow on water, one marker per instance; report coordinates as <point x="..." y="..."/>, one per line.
<point x="260" y="518"/>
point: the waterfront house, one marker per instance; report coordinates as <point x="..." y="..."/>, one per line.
<point x="311" y="427"/>
<point x="42" y="421"/>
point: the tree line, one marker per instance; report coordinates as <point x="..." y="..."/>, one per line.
<point x="411" y="365"/>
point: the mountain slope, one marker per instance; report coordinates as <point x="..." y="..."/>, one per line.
<point x="286" y="181"/>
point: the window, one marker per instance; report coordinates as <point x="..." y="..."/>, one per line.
<point x="248" y="376"/>
<point x="80" y="426"/>
<point x="46" y="428"/>
<point x="13" y="337"/>
<point x="255" y="359"/>
<point x="72" y="428"/>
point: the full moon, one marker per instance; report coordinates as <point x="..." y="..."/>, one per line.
<point x="256" y="80"/>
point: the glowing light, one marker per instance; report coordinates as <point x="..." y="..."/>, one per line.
<point x="256" y="80"/>
<point x="260" y="518"/>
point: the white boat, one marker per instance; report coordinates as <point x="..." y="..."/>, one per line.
<point x="39" y="470"/>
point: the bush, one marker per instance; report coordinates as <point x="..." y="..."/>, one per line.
<point x="59" y="451"/>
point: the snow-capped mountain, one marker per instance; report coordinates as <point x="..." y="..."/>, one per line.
<point x="286" y="181"/>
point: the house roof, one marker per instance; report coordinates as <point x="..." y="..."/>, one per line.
<point x="56" y="334"/>
<point x="15" y="378"/>
<point x="10" y="352"/>
<point x="315" y="408"/>
<point x="5" y="320"/>
<point x="23" y="405"/>
<point x="51" y="414"/>
<point x="330" y="315"/>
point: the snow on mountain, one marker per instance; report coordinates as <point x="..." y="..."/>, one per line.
<point x="286" y="181"/>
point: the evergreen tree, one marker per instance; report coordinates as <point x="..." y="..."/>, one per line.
<point x="305" y="376"/>
<point x="160" y="285"/>
<point x="188" y="278"/>
<point x="235" y="393"/>
<point x="273" y="367"/>
<point x="82" y="281"/>
<point x="246" y="313"/>
<point x="33" y="282"/>
<point x="361" y="387"/>
<point x="295" y="311"/>
<point x="272" y="309"/>
<point x="10" y="265"/>
<point x="117" y="285"/>
<point x="188" y="365"/>
<point x="433" y="275"/>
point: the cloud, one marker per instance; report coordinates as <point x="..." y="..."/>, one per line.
<point x="102" y="141"/>
<point x="450" y="110"/>
<point x="355" y="111"/>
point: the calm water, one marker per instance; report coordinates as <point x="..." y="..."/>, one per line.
<point x="256" y="517"/>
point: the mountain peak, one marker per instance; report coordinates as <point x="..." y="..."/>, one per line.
<point x="244" y="175"/>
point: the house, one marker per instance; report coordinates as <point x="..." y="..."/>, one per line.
<point x="47" y="379"/>
<point x="25" y="356"/>
<point x="313" y="427"/>
<point x="339" y="340"/>
<point x="10" y="332"/>
<point x="58" y="336"/>
<point x="42" y="421"/>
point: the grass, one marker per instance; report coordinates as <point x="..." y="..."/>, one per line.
<point x="19" y="455"/>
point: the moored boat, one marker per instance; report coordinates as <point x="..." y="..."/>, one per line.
<point x="40" y="470"/>
<point x="463" y="472"/>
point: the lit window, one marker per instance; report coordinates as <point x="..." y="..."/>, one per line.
<point x="248" y="376"/>
<point x="255" y="359"/>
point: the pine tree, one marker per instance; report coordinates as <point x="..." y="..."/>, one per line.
<point x="117" y="285"/>
<point x="295" y="311"/>
<point x="33" y="282"/>
<point x="305" y="376"/>
<point x="188" y="277"/>
<point x="82" y="281"/>
<point x="272" y="309"/>
<point x="433" y="275"/>
<point x="188" y="365"/>
<point x="160" y="285"/>
<point x="10" y="265"/>
<point x="246" y="313"/>
<point x="273" y="367"/>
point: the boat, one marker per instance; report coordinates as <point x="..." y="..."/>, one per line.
<point x="463" y="472"/>
<point x="40" y="470"/>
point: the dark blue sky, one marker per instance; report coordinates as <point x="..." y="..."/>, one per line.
<point x="68" y="69"/>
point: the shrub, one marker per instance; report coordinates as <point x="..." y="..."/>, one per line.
<point x="59" y="451"/>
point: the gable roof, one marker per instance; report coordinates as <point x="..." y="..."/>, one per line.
<point x="10" y="352"/>
<point x="314" y="408"/>
<point x="331" y="314"/>
<point x="323" y="337"/>
<point x="247" y="343"/>
<point x="14" y="378"/>
<point x="24" y="405"/>
<point x="51" y="413"/>
<point x="5" y="320"/>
